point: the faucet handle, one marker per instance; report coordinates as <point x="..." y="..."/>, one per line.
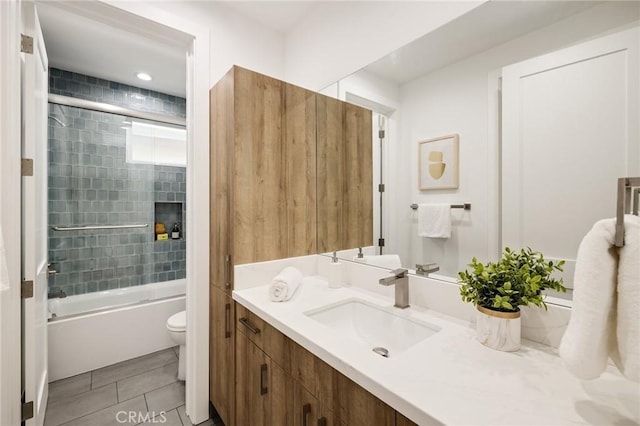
<point x="427" y="268"/>
<point x="400" y="272"/>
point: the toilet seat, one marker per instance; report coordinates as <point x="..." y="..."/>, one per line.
<point x="177" y="322"/>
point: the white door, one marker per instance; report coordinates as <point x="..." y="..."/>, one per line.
<point x="570" y="130"/>
<point x="34" y="217"/>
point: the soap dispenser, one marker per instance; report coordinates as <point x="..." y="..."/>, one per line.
<point x="334" y="272"/>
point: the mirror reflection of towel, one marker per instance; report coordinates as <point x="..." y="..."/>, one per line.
<point x="434" y="220"/>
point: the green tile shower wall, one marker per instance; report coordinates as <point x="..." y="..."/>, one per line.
<point x="90" y="183"/>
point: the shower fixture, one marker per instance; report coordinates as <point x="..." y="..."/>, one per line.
<point x="57" y="120"/>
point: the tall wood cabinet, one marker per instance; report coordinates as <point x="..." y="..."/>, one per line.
<point x="266" y="176"/>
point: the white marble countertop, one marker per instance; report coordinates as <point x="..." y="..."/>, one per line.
<point x="450" y="378"/>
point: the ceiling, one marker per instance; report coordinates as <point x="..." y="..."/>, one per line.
<point x="279" y="16"/>
<point x="487" y="26"/>
<point x="75" y="42"/>
<point x="78" y="39"/>
<point x="82" y="42"/>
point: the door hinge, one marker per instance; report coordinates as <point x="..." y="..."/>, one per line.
<point x="381" y="187"/>
<point x="26" y="44"/>
<point x="27" y="167"/>
<point x="27" y="411"/>
<point x="380" y="134"/>
<point x="381" y="242"/>
<point x="26" y="289"/>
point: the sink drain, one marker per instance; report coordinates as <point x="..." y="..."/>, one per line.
<point x="381" y="351"/>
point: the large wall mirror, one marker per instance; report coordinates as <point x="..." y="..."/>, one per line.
<point x="543" y="100"/>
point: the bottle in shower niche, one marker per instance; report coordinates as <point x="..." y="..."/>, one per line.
<point x="175" y="232"/>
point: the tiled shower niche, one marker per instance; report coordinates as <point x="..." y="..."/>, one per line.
<point x="92" y="184"/>
<point x="170" y="213"/>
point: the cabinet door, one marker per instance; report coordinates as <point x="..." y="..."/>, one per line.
<point x="221" y="354"/>
<point x="345" y="175"/>
<point x="300" y="160"/>
<point x="250" y="383"/>
<point x="263" y="391"/>
<point x="221" y="144"/>
<point x="360" y="408"/>
<point x="259" y="201"/>
<point x="308" y="411"/>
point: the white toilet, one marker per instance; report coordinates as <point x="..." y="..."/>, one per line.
<point x="177" y="327"/>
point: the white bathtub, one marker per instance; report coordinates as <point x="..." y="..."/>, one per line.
<point x="93" y="330"/>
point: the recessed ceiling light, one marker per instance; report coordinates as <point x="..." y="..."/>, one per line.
<point x="143" y="76"/>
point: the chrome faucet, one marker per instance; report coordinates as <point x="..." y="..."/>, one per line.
<point x="427" y="268"/>
<point x="400" y="279"/>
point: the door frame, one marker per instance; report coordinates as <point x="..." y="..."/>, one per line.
<point x="141" y="16"/>
<point x="152" y="21"/>
<point x="10" y="215"/>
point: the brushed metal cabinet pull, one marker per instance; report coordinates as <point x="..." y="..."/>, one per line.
<point x="246" y="323"/>
<point x="227" y="271"/>
<point x="263" y="379"/>
<point x="306" y="410"/>
<point x="227" y="320"/>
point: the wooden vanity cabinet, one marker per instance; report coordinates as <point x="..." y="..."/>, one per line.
<point x="301" y="389"/>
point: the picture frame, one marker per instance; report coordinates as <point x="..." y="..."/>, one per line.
<point x="438" y="163"/>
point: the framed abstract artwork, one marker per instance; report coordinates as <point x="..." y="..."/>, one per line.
<point x="438" y="163"/>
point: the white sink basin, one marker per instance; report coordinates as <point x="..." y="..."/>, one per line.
<point x="373" y="326"/>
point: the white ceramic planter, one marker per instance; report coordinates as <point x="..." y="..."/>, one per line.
<point x="498" y="330"/>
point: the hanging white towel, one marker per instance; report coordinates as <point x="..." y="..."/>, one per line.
<point x="434" y="220"/>
<point x="605" y="314"/>
<point x="391" y="261"/>
<point x="285" y="284"/>
<point x="627" y="356"/>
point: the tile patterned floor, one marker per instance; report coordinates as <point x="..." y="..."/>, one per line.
<point x="140" y="391"/>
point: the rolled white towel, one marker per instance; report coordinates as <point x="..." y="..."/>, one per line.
<point x="285" y="284"/>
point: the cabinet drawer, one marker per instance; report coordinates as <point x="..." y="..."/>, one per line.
<point x="275" y="344"/>
<point x="358" y="407"/>
<point x="315" y="375"/>
<point x="308" y="411"/>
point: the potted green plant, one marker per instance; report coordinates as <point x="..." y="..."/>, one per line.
<point x="498" y="289"/>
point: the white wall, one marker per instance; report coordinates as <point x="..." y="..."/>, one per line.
<point x="455" y="99"/>
<point x="338" y="38"/>
<point x="235" y="39"/>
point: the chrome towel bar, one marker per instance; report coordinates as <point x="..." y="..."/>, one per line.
<point x="465" y="206"/>
<point x="95" y="227"/>
<point x="625" y="205"/>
